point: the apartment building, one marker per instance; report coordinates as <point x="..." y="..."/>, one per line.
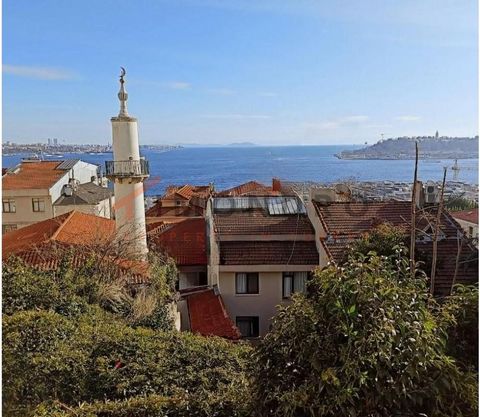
<point x="37" y="190"/>
<point x="261" y="251"/>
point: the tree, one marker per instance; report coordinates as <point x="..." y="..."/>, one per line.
<point x="367" y="340"/>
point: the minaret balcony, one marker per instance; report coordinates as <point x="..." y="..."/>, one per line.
<point x="127" y="169"/>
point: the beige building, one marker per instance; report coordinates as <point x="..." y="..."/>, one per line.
<point x="262" y="250"/>
<point x="39" y="190"/>
<point x="468" y="219"/>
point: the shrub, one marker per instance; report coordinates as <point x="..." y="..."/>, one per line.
<point x="364" y="342"/>
<point x="463" y="333"/>
<point x="95" y="357"/>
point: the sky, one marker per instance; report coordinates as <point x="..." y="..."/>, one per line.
<point x="272" y="72"/>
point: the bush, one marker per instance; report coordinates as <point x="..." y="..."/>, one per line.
<point x="463" y="333"/>
<point x="365" y="341"/>
<point x="384" y="240"/>
<point x="95" y="357"/>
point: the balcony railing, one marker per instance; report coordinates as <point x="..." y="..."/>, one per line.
<point x="127" y="168"/>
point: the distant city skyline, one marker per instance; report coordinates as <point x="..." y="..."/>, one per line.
<point x="217" y="72"/>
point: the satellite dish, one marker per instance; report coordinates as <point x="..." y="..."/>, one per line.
<point x="342" y="189"/>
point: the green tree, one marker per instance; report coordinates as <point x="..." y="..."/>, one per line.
<point x="367" y="340"/>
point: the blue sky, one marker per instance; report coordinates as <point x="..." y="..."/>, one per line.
<point x="220" y="71"/>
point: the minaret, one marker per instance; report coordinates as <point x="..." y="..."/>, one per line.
<point x="128" y="171"/>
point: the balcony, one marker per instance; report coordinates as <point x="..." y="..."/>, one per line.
<point x="127" y="169"/>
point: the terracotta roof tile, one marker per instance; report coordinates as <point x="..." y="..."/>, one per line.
<point x="259" y="222"/>
<point x="466" y="215"/>
<point x="184" y="241"/>
<point x="346" y="222"/>
<point x="283" y="252"/>
<point x="208" y="315"/>
<point x="33" y="175"/>
<point x="70" y="228"/>
<point x="249" y="188"/>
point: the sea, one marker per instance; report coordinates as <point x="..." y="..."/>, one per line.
<point x="229" y="166"/>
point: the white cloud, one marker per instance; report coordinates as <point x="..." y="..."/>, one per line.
<point x="346" y="121"/>
<point x="178" y="85"/>
<point x="236" y="116"/>
<point x="221" y="91"/>
<point x="267" y="94"/>
<point x="353" y="119"/>
<point x="408" y="118"/>
<point x="39" y="73"/>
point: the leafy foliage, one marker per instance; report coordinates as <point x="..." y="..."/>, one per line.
<point x="384" y="240"/>
<point x="463" y="333"/>
<point x="97" y="356"/>
<point x="365" y="341"/>
<point x="80" y="335"/>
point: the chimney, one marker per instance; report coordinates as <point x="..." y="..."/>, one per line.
<point x="276" y="184"/>
<point x="419" y="195"/>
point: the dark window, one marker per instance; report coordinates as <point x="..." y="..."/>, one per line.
<point x="470" y="231"/>
<point x="202" y="278"/>
<point x="38" y="204"/>
<point x="9" y="206"/>
<point x="246" y="283"/>
<point x="248" y="325"/>
<point x="294" y="282"/>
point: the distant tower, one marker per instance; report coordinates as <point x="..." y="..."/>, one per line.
<point x="436" y="134"/>
<point x="128" y="171"/>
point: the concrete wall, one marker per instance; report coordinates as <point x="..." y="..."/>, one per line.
<point x="101" y="209"/>
<point x="24" y="214"/>
<point x="262" y="304"/>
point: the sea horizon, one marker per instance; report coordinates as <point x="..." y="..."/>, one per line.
<point x="316" y="163"/>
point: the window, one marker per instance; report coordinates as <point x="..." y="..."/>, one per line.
<point x="8" y="228"/>
<point x="470" y="231"/>
<point x="246" y="283"/>
<point x="38" y="204"/>
<point x="248" y="325"/>
<point x="294" y="282"/>
<point x="9" y="206"/>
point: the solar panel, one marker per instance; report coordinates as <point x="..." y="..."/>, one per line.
<point x="67" y="164"/>
<point x="274" y="205"/>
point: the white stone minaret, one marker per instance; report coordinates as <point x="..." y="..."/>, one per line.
<point x="128" y="171"/>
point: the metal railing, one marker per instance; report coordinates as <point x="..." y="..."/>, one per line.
<point x="129" y="168"/>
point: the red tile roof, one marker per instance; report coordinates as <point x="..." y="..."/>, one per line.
<point x="466" y="215"/>
<point x="195" y="195"/>
<point x="184" y="241"/>
<point x="181" y="211"/>
<point x="70" y="228"/>
<point x="354" y="218"/>
<point x="48" y="257"/>
<point x="208" y="315"/>
<point x="259" y="222"/>
<point x="249" y="188"/>
<point x="285" y="252"/>
<point x="345" y="222"/>
<point x="33" y="175"/>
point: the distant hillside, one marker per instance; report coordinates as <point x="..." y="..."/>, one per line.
<point x="429" y="148"/>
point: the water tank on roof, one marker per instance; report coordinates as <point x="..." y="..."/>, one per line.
<point x="67" y="190"/>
